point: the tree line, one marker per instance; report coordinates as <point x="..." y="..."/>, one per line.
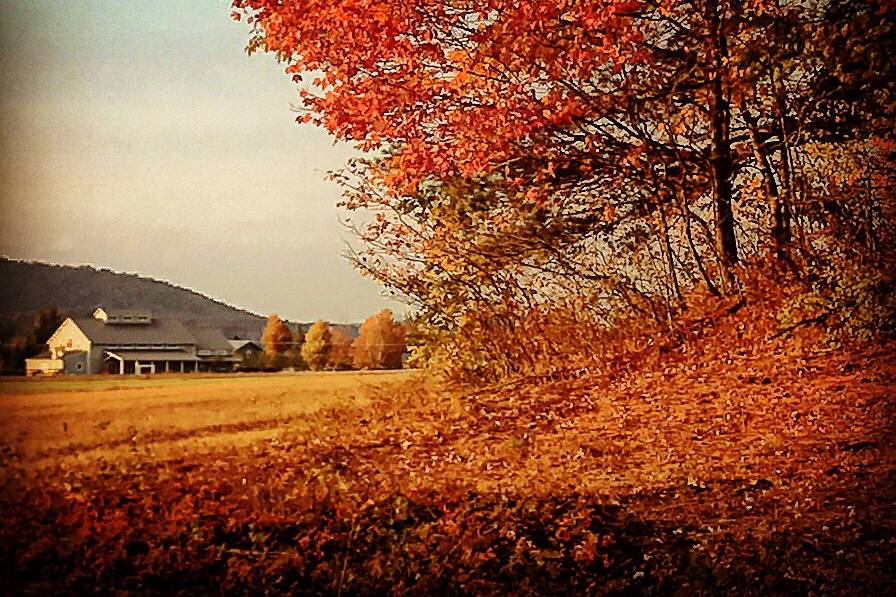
<point x="549" y="165"/>
<point x="25" y="335"/>
<point x="380" y="344"/>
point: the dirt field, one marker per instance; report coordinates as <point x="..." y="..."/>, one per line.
<point x="83" y="421"/>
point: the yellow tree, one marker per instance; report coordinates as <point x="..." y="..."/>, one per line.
<point x="277" y="338"/>
<point x="380" y="344"/>
<point x="317" y="346"/>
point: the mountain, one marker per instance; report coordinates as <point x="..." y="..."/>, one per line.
<point x="27" y="287"/>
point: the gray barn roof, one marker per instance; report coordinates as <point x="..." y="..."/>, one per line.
<point x="210" y="339"/>
<point x="133" y="313"/>
<point x="241" y="344"/>
<point x="162" y="330"/>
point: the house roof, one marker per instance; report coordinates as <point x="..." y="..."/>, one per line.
<point x="241" y="344"/>
<point x="162" y="330"/>
<point x="210" y="339"/>
<point x="126" y="312"/>
<point x="123" y="316"/>
<point x="150" y="355"/>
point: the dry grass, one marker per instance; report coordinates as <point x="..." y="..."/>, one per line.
<point x="125" y="420"/>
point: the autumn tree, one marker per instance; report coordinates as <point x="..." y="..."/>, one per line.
<point x="317" y="346"/>
<point x="380" y="343"/>
<point x="593" y="159"/>
<point x="277" y="338"/>
<point x="340" y="357"/>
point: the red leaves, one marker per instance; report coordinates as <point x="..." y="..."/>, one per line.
<point x="405" y="74"/>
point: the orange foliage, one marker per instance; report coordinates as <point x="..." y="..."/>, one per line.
<point x="277" y="338"/>
<point x="380" y="343"/>
<point x="340" y="349"/>
<point x="547" y="163"/>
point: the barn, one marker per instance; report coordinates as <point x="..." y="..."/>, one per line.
<point x="123" y="341"/>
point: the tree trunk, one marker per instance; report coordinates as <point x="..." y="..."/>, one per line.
<point x="687" y="215"/>
<point x="720" y="159"/>
<point x="667" y="249"/>
<point x="780" y="221"/>
<point x="786" y="199"/>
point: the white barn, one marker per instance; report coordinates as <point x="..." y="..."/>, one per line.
<point x="133" y="341"/>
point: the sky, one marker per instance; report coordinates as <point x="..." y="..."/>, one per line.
<point x="139" y="136"/>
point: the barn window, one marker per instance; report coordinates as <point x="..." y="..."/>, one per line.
<point x="69" y="343"/>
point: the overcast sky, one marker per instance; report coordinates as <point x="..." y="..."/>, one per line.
<point x="139" y="136"/>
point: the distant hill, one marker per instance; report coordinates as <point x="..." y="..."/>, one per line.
<point x="26" y="287"/>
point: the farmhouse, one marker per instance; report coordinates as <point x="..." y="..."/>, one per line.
<point x="245" y="350"/>
<point x="133" y="341"/>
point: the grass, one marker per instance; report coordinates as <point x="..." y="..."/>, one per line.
<point x="45" y="385"/>
<point x="71" y="421"/>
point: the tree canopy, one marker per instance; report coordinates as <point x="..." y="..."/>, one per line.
<point x="597" y="158"/>
<point x="277" y="337"/>
<point x="317" y="346"/>
<point x="340" y="349"/>
<point x="380" y="343"/>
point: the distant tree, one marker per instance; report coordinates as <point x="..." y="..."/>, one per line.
<point x="293" y="356"/>
<point x="277" y="338"/>
<point x="293" y="360"/>
<point x="46" y="322"/>
<point x="23" y="336"/>
<point x="381" y="343"/>
<point x="317" y="346"/>
<point x="341" y="349"/>
<point x="15" y="351"/>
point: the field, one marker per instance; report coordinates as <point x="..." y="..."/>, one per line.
<point x="710" y="468"/>
<point x="84" y="421"/>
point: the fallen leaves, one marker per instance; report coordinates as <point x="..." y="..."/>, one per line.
<point x="678" y="473"/>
